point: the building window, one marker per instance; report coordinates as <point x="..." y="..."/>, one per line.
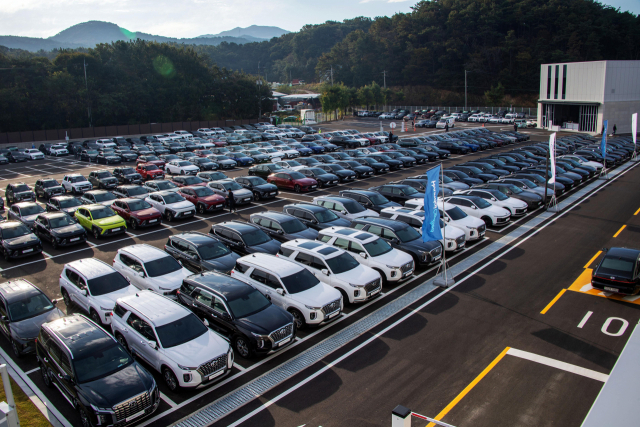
<point x="549" y="83"/>
<point x="555" y="86"/>
<point x="564" y="81"/>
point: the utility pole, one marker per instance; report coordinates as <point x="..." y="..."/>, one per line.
<point x="87" y="87"/>
<point x="259" y="83"/>
<point x="332" y="75"/>
<point x="384" y="73"/>
<point x="465" y="90"/>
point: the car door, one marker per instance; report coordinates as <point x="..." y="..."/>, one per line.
<point x="14" y="213"/>
<point x="41" y="227"/>
<point x="214" y="310"/>
<point x="60" y="369"/>
<point x="132" y="268"/>
<point x="141" y="339"/>
<point x="191" y="257"/>
<point x="82" y="217"/>
<point x="4" y="325"/>
<point x="82" y="294"/>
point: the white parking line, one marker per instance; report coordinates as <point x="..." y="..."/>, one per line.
<point x="166" y="399"/>
<point x="32" y="371"/>
<point x="594" y="375"/>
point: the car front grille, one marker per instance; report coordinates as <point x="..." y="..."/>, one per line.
<point x="482" y="229"/>
<point x="331" y="307"/>
<point x="372" y="286"/>
<point x="520" y="211"/>
<point x="132" y="406"/>
<point x="505" y="219"/>
<point x="213" y="365"/>
<point x="282" y="333"/>
<point x="409" y="266"/>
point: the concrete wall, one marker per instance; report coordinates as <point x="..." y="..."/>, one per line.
<point x="618" y="113"/>
<point x="585" y="81"/>
<point x="622" y="81"/>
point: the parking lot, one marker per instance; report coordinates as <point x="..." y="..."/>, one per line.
<point x="508" y="345"/>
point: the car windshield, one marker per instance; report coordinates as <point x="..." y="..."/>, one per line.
<point x="203" y="191"/>
<point x="317" y="171"/>
<point x="353" y="207"/>
<point x="213" y="250"/>
<point x="296" y="175"/>
<point x="408" y="234"/>
<point x="193" y="180"/>
<point x="92" y="152"/>
<point x="101" y="175"/>
<point x="128" y="171"/>
<point x="181" y="331"/>
<point x="255" y="237"/>
<point x="49" y="184"/>
<point x="101" y="362"/>
<point x="172" y="198"/>
<point x="151" y="168"/>
<point x="377" y="247"/>
<point x="162" y="266"/>
<point x="70" y="203"/>
<point x="499" y="195"/>
<point x="247" y="304"/>
<point x="138" y="205"/>
<point x="325" y="216"/>
<point x="185" y="163"/>
<point x="481" y="203"/>
<point x="104" y="197"/>
<point x="617" y="266"/>
<point x="341" y="263"/>
<point x="231" y="185"/>
<point x="455" y="213"/>
<point x="408" y="191"/>
<point x="101" y="213"/>
<point x="28" y="307"/>
<point x="61" y="221"/>
<point x="514" y="189"/>
<point x="293" y="226"/>
<point x="31" y="210"/>
<point x="106" y="284"/>
<point x="256" y="180"/>
<point x="22" y="188"/>
<point x="165" y="185"/>
<point x="301" y="281"/>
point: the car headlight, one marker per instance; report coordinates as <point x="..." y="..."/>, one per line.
<point x="186" y="368"/>
<point x="356" y="285"/>
<point x="393" y="267"/>
<point x="313" y="308"/>
<point x="470" y="228"/>
<point x="106" y="308"/>
<point x="164" y="289"/>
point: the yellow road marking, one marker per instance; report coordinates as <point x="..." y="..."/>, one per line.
<point x="553" y="301"/>
<point x="620" y="231"/>
<point x="638" y="211"/>
<point x="583" y="285"/>
<point x="593" y="259"/>
<point x="467" y="389"/>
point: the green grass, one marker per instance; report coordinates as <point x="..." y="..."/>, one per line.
<point x="28" y="414"/>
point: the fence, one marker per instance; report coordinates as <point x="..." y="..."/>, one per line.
<point x="531" y="112"/>
<point x="109" y="131"/>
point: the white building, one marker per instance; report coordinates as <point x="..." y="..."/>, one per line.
<point x="582" y="95"/>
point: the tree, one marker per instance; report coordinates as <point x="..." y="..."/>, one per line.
<point x="495" y="95"/>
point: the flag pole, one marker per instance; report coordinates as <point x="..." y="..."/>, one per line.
<point x="444" y="281"/>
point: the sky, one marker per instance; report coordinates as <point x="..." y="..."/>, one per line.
<point x="192" y="18"/>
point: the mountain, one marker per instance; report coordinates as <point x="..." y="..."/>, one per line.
<point x="89" y="34"/>
<point x="255" y="31"/>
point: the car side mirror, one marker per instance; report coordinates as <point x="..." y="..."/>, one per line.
<point x="153" y="345"/>
<point x="280" y="232"/>
<point x="141" y="273"/>
<point x="325" y="271"/>
<point x="395" y="240"/>
<point x="363" y="255"/>
<point x="85" y="292"/>
<point x="225" y="316"/>
<point x="474" y="207"/>
<point x="54" y="302"/>
<point x="493" y="200"/>
<point x="67" y="378"/>
<point x="280" y="291"/>
<point x="4" y="319"/>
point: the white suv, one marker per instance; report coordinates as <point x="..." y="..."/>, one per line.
<point x="171" y="205"/>
<point x="171" y="339"/>
<point x="344" y="207"/>
<point x="473" y="228"/>
<point x="148" y="267"/>
<point x="290" y="286"/>
<point x="58" y="150"/>
<point x="498" y="198"/>
<point x="335" y="267"/>
<point x="94" y="286"/>
<point x="76" y="183"/>
<point x="183" y="134"/>
<point x="455" y="238"/>
<point x="480" y="208"/>
<point x="372" y="251"/>
<point x="106" y="143"/>
<point x="181" y="167"/>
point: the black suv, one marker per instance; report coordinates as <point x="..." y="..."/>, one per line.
<point x="345" y="142"/>
<point x="397" y="192"/>
<point x="314" y="216"/>
<point x="377" y="166"/>
<point x="23" y="309"/>
<point x="67" y="204"/>
<point x="18" y="240"/>
<point x="239" y="312"/>
<point x="282" y="227"/>
<point x="245" y="238"/>
<point x="265" y="169"/>
<point x="261" y="189"/>
<point x="19" y="192"/>
<point x="59" y="229"/>
<point x="127" y="175"/>
<point x="369" y="199"/>
<point x="48" y="187"/>
<point x="402" y="236"/>
<point x="103" y="179"/>
<point x="324" y="178"/>
<point x="94" y="372"/>
<point x="201" y="252"/>
<point x="342" y="173"/>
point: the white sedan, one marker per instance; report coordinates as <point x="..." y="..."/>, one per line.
<point x="58" y="150"/>
<point x="181" y="167"/>
<point x="171" y="205"/>
<point x="497" y="198"/>
<point x="34" y="154"/>
<point x="480" y="208"/>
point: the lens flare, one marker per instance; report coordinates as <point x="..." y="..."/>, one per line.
<point x="164" y="66"/>
<point x="128" y="34"/>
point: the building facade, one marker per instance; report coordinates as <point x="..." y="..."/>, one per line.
<point x="580" y="96"/>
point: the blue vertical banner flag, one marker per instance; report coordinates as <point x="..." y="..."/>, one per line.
<point x="431" y="225"/>
<point x="603" y="144"/>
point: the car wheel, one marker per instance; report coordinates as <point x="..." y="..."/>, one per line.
<point x="66" y="298"/>
<point x="6" y="255"/>
<point x="298" y="319"/>
<point x="382" y="276"/>
<point x="84" y="417"/>
<point x="170" y="379"/>
<point x="320" y="184"/>
<point x="169" y="216"/>
<point x="487" y="220"/>
<point x="123" y="342"/>
<point x="16" y="351"/>
<point x="256" y="196"/>
<point x="297" y="188"/>
<point x="133" y="224"/>
<point x="201" y="208"/>
<point x="54" y="243"/>
<point x="46" y="379"/>
<point x="242" y="345"/>
<point x="96" y="233"/>
<point x="96" y="317"/>
<point x="181" y="172"/>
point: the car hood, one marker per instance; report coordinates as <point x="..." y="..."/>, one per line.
<point x="199" y="350"/>
<point x="224" y="263"/>
<point x="266" y="321"/>
<point x="265" y="187"/>
<point x="143" y="213"/>
<point x="120" y="386"/>
<point x="309" y="233"/>
<point x="22" y="240"/>
<point x="338" y="222"/>
<point x="361" y="275"/>
<point x="110" y="180"/>
<point x="181" y="205"/>
<point x="468" y="221"/>
<point x="394" y="258"/>
<point x="496" y="210"/>
<point x="237" y="194"/>
<point x="171" y="280"/>
<point x="30" y="328"/>
<point x="516" y="203"/>
<point x="112" y="220"/>
<point x="214" y="198"/>
<point x="271" y="247"/>
<point x="455" y="186"/>
<point x="419" y="245"/>
<point x="73" y="228"/>
<point x="318" y="296"/>
<point x="29" y="218"/>
<point x="381" y="165"/>
<point x="108" y="301"/>
<point x="226" y="162"/>
<point x="306" y="181"/>
<point x="345" y="173"/>
<point x="327" y="177"/>
<point x="450" y="232"/>
<point x="365" y="213"/>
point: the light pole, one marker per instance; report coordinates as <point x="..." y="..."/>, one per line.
<point x="259" y="83"/>
<point x="465" y="90"/>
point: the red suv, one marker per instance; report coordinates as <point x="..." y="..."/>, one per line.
<point x="205" y="199"/>
<point x="149" y="171"/>
<point x="137" y="212"/>
<point x="188" y="181"/>
<point x="151" y="159"/>
<point x="293" y="181"/>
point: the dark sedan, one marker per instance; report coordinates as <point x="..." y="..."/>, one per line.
<point x="618" y="272"/>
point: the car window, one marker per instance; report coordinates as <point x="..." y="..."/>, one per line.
<point x="259" y="276"/>
<point x="205" y="298"/>
<point x="142" y="327"/>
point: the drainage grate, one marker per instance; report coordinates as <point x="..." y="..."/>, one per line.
<point x="234" y="400"/>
